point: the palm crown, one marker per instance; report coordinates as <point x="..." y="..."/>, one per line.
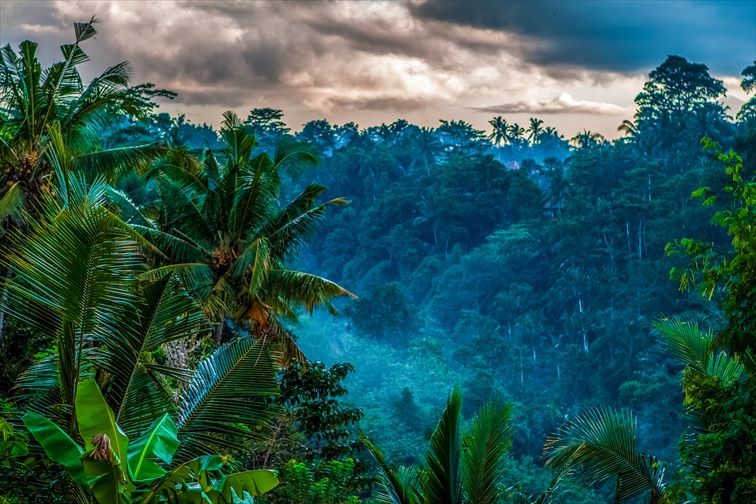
<point x="37" y="105"/>
<point x="223" y="232"/>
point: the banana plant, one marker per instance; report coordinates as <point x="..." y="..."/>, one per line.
<point x="116" y="469"/>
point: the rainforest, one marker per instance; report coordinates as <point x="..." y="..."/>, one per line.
<point x="251" y="309"/>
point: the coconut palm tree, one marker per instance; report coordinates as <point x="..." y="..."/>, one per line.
<point x="460" y="468"/>
<point x="535" y="130"/>
<point x="587" y="139"/>
<point x="223" y="232"/>
<point x="34" y="100"/>
<point x="499" y="133"/>
<point x="75" y="278"/>
<point x="628" y="127"/>
<point x="427" y="146"/>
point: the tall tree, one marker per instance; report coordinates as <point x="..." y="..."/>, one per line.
<point x="499" y="133"/>
<point x="677" y="86"/>
<point x="535" y="130"/>
<point x="33" y="100"/>
<point x="225" y="234"/>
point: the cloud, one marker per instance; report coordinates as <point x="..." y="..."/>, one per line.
<point x="620" y="36"/>
<point x="369" y="61"/>
<point x="564" y="103"/>
<point x="380" y="103"/>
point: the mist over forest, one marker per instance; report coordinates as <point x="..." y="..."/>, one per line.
<point x="395" y="313"/>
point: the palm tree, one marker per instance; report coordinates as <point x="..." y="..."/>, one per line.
<point x="34" y="101"/>
<point x="224" y="234"/>
<point x="459" y="468"/>
<point x="499" y="133"/>
<point x="551" y="131"/>
<point x="535" y="130"/>
<point x="587" y="139"/>
<point x="75" y="278"/>
<point x="628" y="127"/>
<point x="601" y="444"/>
<point x="516" y="132"/>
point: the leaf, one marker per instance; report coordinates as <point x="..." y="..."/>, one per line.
<point x="58" y="445"/>
<point x="228" y="395"/>
<point x="12" y="203"/>
<point x="255" y="259"/>
<point x="485" y="445"/>
<point x="400" y="485"/>
<point x="255" y="482"/>
<point x="159" y="442"/>
<point x="444" y="479"/>
<point x="95" y="417"/>
<point x="602" y="444"/>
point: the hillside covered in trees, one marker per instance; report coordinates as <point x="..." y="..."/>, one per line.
<point x="395" y="313"/>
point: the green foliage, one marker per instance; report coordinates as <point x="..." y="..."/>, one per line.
<point x="677" y="85"/>
<point x="44" y="106"/>
<point x="332" y="483"/>
<point x="227" y="399"/>
<point x="507" y="266"/>
<point x="717" y="448"/>
<point x="601" y="444"/>
<point x="225" y="236"/>
<point x="113" y="471"/>
<point x="310" y="395"/>
<point x="384" y="313"/>
<point x="459" y="468"/>
<point x="732" y="271"/>
<point x="718" y="379"/>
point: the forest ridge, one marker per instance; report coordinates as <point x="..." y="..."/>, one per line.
<point x="397" y="313"/>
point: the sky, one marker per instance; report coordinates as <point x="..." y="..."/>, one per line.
<point x="577" y="64"/>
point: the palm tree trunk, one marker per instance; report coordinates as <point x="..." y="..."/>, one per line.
<point x="3" y="300"/>
<point x="218" y="333"/>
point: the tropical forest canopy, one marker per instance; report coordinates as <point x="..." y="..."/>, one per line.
<point x="396" y="313"/>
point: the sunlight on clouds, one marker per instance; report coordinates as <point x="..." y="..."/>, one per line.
<point x="373" y="59"/>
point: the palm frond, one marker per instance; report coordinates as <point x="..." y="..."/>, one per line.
<point x="697" y="350"/>
<point x="601" y="443"/>
<point x="309" y="290"/>
<point x="183" y="203"/>
<point x="485" y="444"/>
<point x="443" y="482"/>
<point x="285" y="347"/>
<point x="254" y="197"/>
<point x="227" y="400"/>
<point x="182" y="170"/>
<point x="400" y="485"/>
<point x="686" y="342"/>
<point x="288" y="230"/>
<point x="291" y="151"/>
<point x="135" y="390"/>
<point x="12" y="203"/>
<point x="254" y="260"/>
<point x="179" y="248"/>
<point x="76" y="268"/>
<point x="116" y="160"/>
<point x="73" y="276"/>
<point x="109" y="89"/>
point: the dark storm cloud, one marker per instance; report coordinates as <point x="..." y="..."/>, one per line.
<point x="613" y="35"/>
<point x="267" y="60"/>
